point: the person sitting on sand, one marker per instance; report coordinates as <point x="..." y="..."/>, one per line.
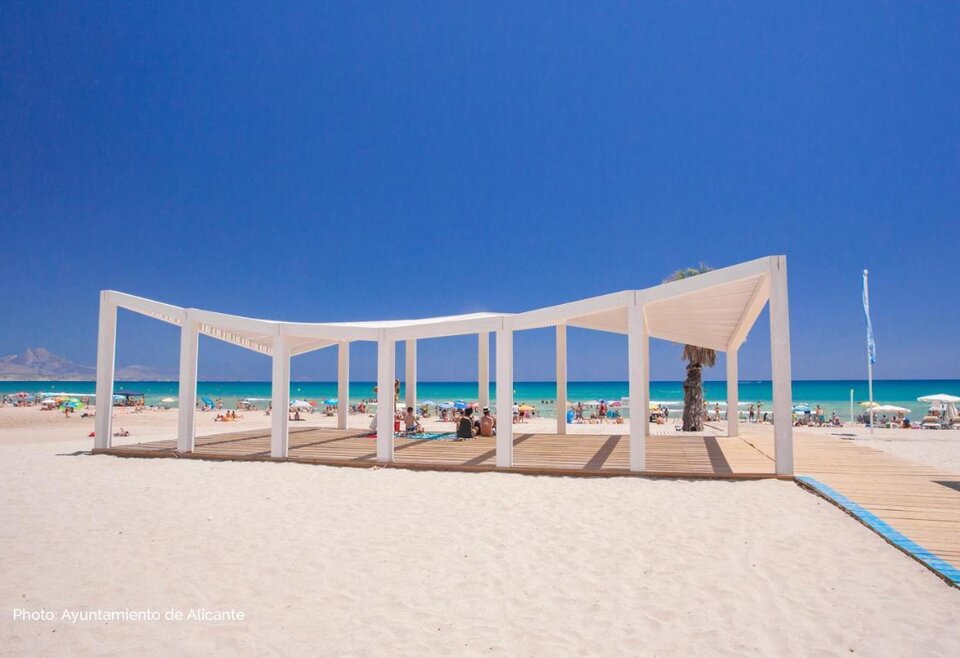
<point x="465" y="425"/>
<point x="410" y="422"/>
<point x="488" y="424"/>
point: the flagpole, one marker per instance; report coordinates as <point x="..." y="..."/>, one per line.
<point x="866" y="301"/>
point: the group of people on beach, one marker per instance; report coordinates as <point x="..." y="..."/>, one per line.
<point x="466" y="426"/>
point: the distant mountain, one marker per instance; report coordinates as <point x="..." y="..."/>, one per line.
<point x="40" y="363"/>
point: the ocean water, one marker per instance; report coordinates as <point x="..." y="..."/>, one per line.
<point x="832" y="395"/>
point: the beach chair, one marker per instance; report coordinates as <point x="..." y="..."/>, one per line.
<point x="931" y="423"/>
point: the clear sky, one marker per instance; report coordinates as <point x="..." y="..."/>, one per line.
<point x="341" y="161"/>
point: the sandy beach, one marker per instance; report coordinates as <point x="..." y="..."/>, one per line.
<point x="388" y="562"/>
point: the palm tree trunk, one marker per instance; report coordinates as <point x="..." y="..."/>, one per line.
<point x="693" y="399"/>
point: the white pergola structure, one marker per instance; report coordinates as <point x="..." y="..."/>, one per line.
<point x="716" y="310"/>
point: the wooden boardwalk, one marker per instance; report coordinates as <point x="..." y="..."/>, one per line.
<point x="918" y="502"/>
<point x="571" y="454"/>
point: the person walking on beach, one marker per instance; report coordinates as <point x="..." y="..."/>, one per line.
<point x="752" y="411"/>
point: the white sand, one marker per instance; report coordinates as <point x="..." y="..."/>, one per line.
<point x="386" y="562"/>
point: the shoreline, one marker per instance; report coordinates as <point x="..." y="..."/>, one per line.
<point x="826" y="393"/>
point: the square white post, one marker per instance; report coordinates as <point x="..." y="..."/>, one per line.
<point x="780" y="361"/>
<point x="637" y="355"/>
<point x="386" y="407"/>
<point x="561" y="401"/>
<point x="410" y="379"/>
<point x="646" y="378"/>
<point x="504" y="398"/>
<point x="483" y="369"/>
<point x="280" y="415"/>
<point x="187" y="391"/>
<point x="733" y="395"/>
<point x="106" y="355"/>
<point x="343" y="384"/>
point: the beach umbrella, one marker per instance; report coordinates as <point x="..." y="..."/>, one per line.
<point x="890" y="409"/>
<point x="460" y="404"/>
<point x="207" y="401"/>
<point x="49" y="401"/>
<point x="802" y="408"/>
<point x="299" y="404"/>
<point x="168" y="400"/>
<point x="526" y="407"/>
<point x="330" y="402"/>
<point x="424" y="403"/>
<point x="446" y="405"/>
<point x="939" y="397"/>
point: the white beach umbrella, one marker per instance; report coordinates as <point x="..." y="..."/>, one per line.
<point x="939" y="397"/>
<point x="890" y="409"/>
<point x="299" y="404"/>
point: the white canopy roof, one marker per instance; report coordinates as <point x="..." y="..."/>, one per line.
<point x="715" y="309"/>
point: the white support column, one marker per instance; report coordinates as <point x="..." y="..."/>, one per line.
<point x="780" y="361"/>
<point x="386" y="406"/>
<point x="561" y="401"/>
<point x="280" y="415"/>
<point x="646" y="377"/>
<point x="410" y="379"/>
<point x="106" y="355"/>
<point x="637" y="355"/>
<point x="483" y="369"/>
<point x="733" y="395"/>
<point x="187" y="392"/>
<point x="504" y="398"/>
<point x="343" y="384"/>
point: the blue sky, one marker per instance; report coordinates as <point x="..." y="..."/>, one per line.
<point x="337" y="161"/>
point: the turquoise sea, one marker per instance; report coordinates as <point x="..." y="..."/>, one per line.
<point x="832" y="395"/>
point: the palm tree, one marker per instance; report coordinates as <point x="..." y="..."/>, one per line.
<point x="696" y="358"/>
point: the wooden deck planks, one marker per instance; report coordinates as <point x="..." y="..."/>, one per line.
<point x="535" y="453"/>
